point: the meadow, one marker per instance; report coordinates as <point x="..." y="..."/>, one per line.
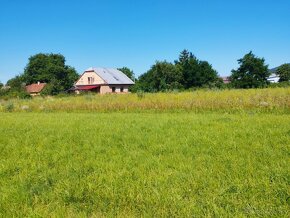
<point x="258" y="100"/>
<point x="158" y="160"/>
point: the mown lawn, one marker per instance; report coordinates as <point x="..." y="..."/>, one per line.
<point x="144" y="164"/>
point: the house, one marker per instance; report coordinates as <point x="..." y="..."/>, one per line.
<point x="273" y="78"/>
<point x="226" y="79"/>
<point x="35" y="89"/>
<point x="103" y="80"/>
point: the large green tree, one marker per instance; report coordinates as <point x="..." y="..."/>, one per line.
<point x="252" y="73"/>
<point x="284" y="73"/>
<point x="51" y="69"/>
<point x="196" y="73"/>
<point x="161" y="77"/>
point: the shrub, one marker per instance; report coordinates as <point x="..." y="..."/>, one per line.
<point x="9" y="94"/>
<point x="9" y="107"/>
<point x="140" y="94"/>
<point x="24" y="95"/>
<point x="284" y="84"/>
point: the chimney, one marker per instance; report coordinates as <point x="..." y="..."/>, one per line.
<point x="38" y="83"/>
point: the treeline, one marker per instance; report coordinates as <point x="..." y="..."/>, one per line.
<point x="184" y="73"/>
<point x="187" y="72"/>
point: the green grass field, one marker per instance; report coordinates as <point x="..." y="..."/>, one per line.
<point x="158" y="161"/>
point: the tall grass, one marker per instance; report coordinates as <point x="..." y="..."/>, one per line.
<point x="144" y="164"/>
<point x="276" y="99"/>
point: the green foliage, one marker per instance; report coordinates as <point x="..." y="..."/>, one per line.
<point x="131" y="75"/>
<point x="161" y="77"/>
<point x="9" y="107"/>
<point x="252" y="73"/>
<point x="140" y="94"/>
<point x="48" y="68"/>
<point x="1" y="85"/>
<point x="196" y="73"/>
<point x="136" y="87"/>
<point x="16" y="89"/>
<point x="144" y="165"/>
<point x="53" y="88"/>
<point x="284" y="73"/>
<point x="279" y="85"/>
<point x="187" y="72"/>
<point x="23" y="95"/>
<point x="17" y="83"/>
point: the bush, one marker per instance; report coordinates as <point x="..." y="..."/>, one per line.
<point x="279" y="85"/>
<point x="140" y="94"/>
<point x="24" y="95"/>
<point x="63" y="95"/>
<point x="9" y="107"/>
<point x="49" y="89"/>
<point x="9" y="94"/>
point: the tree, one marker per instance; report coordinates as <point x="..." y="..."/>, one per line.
<point x="284" y="73"/>
<point x="1" y="85"/>
<point x="161" y="77"/>
<point x="208" y="76"/>
<point x="129" y="73"/>
<point x="17" y="88"/>
<point x="48" y="68"/>
<point x="196" y="73"/>
<point x="51" y="69"/>
<point x="17" y="83"/>
<point x="252" y="73"/>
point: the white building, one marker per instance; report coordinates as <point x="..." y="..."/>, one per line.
<point x="273" y="78"/>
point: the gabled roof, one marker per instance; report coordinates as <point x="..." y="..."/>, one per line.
<point x="112" y="76"/>
<point x="35" y="88"/>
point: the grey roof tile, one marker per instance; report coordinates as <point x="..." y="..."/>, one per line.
<point x="112" y="76"/>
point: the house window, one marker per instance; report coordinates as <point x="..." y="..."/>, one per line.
<point x="122" y="89"/>
<point x="113" y="89"/>
<point x="91" y="80"/>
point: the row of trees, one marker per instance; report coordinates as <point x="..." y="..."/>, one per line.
<point x="188" y="72"/>
<point x="185" y="73"/>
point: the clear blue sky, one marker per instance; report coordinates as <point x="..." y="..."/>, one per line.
<point x="136" y="33"/>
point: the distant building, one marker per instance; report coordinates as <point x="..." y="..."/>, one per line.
<point x="5" y="87"/>
<point x="103" y="80"/>
<point x="35" y="89"/>
<point x="226" y="79"/>
<point x="273" y="78"/>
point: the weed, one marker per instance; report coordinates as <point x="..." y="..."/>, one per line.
<point x="9" y="107"/>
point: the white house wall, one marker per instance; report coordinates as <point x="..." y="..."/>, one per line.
<point x="84" y="79"/>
